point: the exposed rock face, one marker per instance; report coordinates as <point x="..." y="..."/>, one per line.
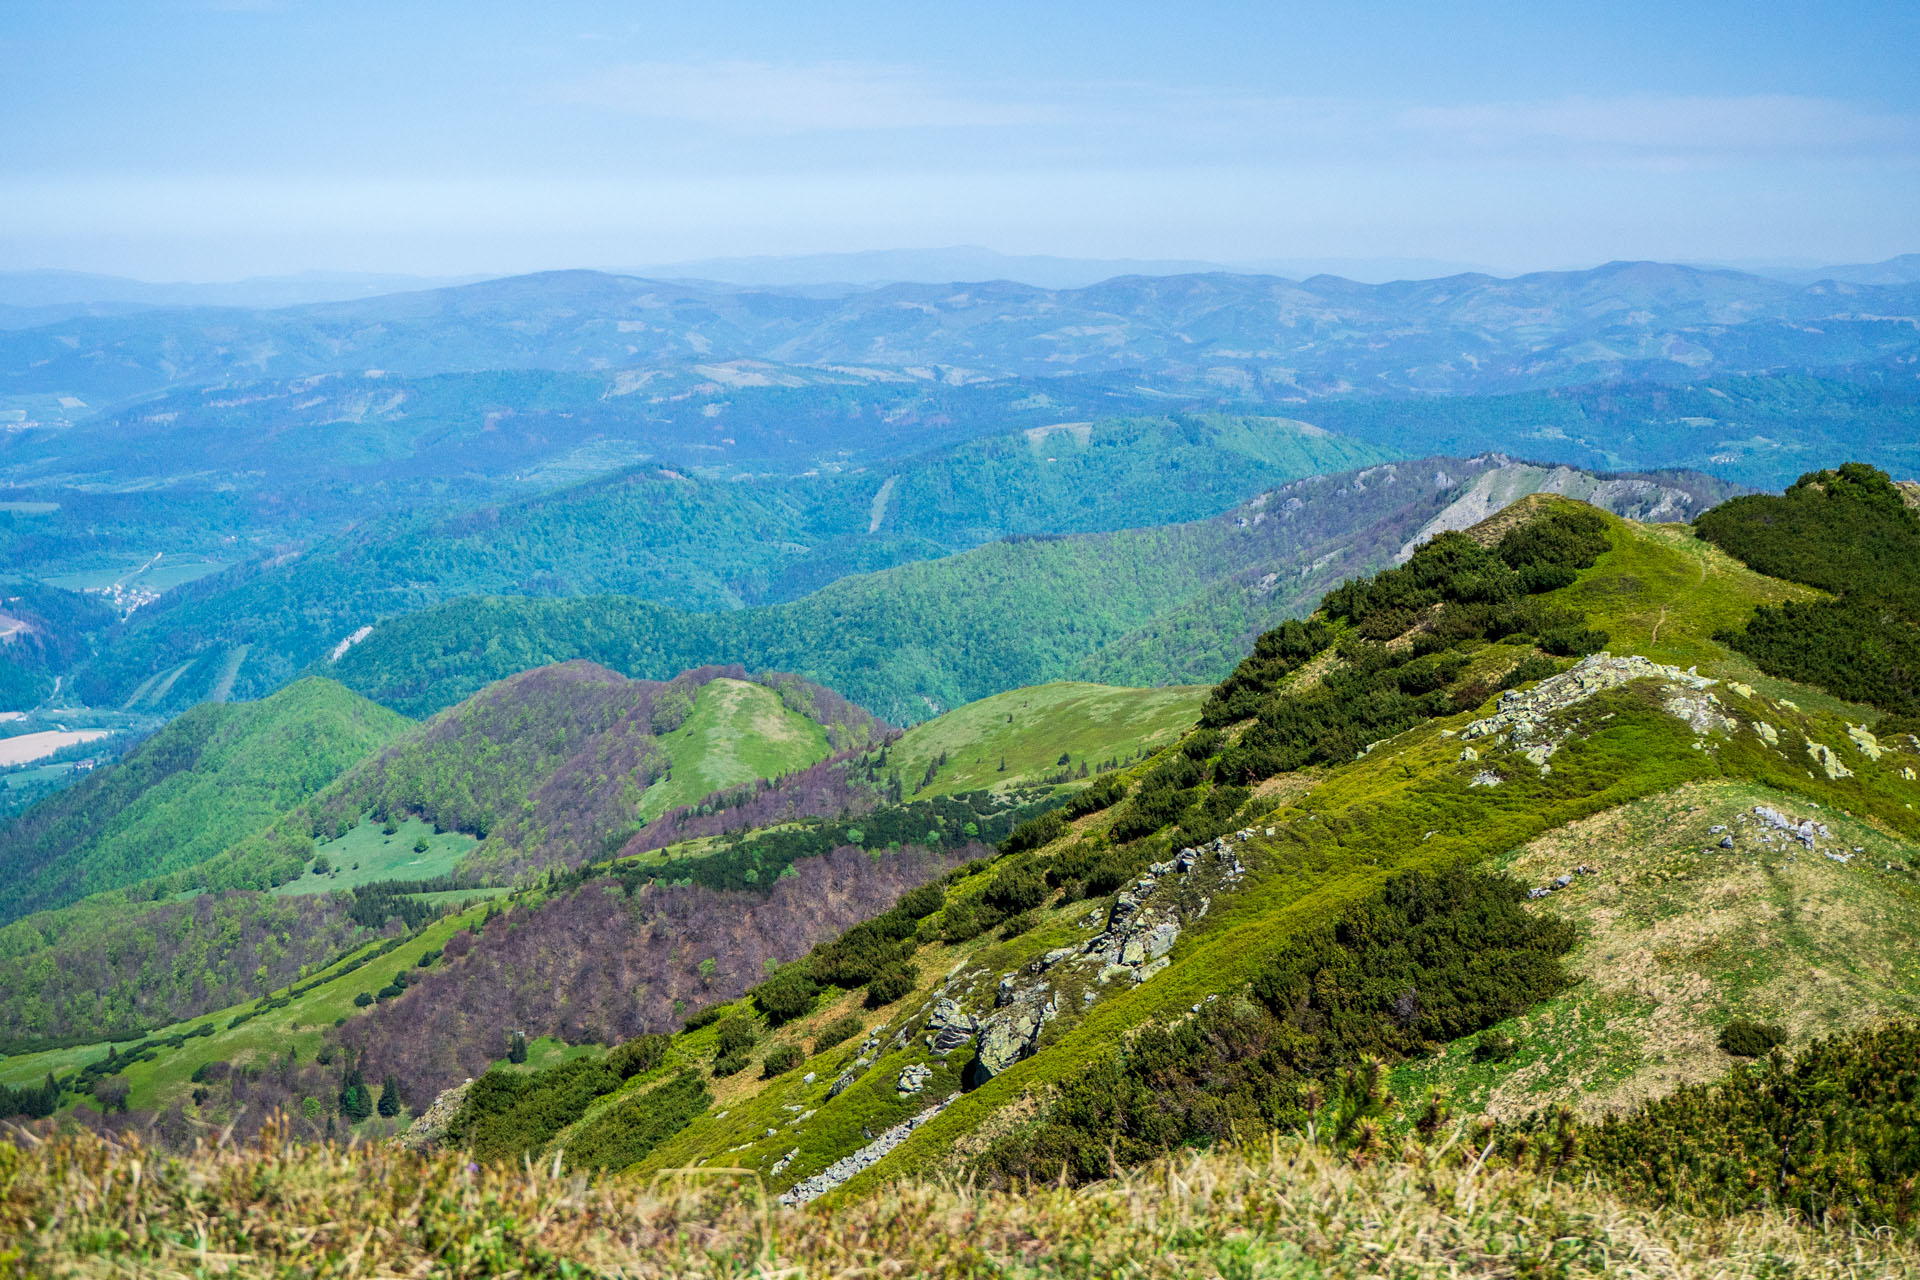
<point x="1633" y="497"/>
<point x="429" y="1128"/>
<point x="1869" y="745"/>
<point x="1824" y="756"/>
<point x="1014" y="1032"/>
<point x="1806" y="831"/>
<point x="949" y="1026"/>
<point x="843" y="1169"/>
<point x="913" y="1079"/>
<point x="1521" y="717"/>
<point x="1701" y="711"/>
<point x="1141" y="929"/>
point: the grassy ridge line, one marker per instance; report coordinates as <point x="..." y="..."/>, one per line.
<point x="1029" y="729"/>
<point x="1410" y="806"/>
<point x="1626" y="559"/>
<point x="1283" y="1210"/>
<point x="739" y="732"/>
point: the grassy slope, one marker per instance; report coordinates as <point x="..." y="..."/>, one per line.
<point x="243" y="766"/>
<point x="367" y="854"/>
<point x="1680" y="935"/>
<point x="1401" y="807"/>
<point x="739" y="732"/>
<point x="1031" y="728"/>
<point x="1283" y="1211"/>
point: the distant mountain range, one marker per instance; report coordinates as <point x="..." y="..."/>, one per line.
<point x="1229" y="333"/>
<point x="43" y="296"/>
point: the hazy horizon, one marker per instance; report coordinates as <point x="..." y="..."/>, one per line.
<point x="861" y="269"/>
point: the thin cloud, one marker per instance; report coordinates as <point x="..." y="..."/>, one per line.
<point x="784" y="99"/>
<point x="1678" y="126"/>
<point x="1109" y="122"/>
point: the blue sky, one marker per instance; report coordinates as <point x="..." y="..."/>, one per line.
<point x="178" y="140"/>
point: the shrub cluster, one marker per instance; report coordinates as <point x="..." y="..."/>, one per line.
<point x="630" y="1130"/>
<point x="756" y="862"/>
<point x="842" y="1028"/>
<point x="782" y="1059"/>
<point x="734" y="1042"/>
<point x="509" y="1114"/>
<point x="1833" y="1134"/>
<point x="1745" y="1038"/>
<point x="1427" y="959"/>
<point x="1849" y="532"/>
<point x="1457" y="593"/>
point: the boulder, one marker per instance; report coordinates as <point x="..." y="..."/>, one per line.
<point x="950" y="1025"/>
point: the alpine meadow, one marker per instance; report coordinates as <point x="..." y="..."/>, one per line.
<point x="1343" y="703"/>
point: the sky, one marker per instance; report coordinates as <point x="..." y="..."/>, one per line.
<point x="184" y="140"/>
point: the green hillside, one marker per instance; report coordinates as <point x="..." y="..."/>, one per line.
<point x="199" y="784"/>
<point x="738" y="732"/>
<point x="706" y="543"/>
<point x="1039" y="734"/>
<point x="1678" y="936"/>
<point x="547" y="769"/>
<point x="914" y="641"/>
<point x="1328" y="844"/>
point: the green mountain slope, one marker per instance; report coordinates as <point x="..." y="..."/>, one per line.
<point x="914" y="641"/>
<point x="202" y="782"/>
<point x="737" y="732"/>
<point x="1699" y="910"/>
<point x="1031" y="1022"/>
<point x="704" y="543"/>
<point x="1040" y="734"/>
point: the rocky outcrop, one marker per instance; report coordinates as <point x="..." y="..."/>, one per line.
<point x="430" y="1127"/>
<point x="949" y="1027"/>
<point x="1825" y="756"/>
<point x="1134" y="945"/>
<point x="844" y="1169"/>
<point x="1013" y="1033"/>
<point x="1634" y="497"/>
<point x="1522" y="714"/>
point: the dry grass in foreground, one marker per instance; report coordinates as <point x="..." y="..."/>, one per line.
<point x="78" y="1206"/>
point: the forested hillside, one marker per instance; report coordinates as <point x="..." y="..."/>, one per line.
<point x="704" y="544"/>
<point x="549" y="769"/>
<point x="201" y="783"/>
<point x="914" y="641"/>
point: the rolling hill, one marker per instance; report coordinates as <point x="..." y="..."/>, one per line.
<point x="202" y="782"/>
<point x="1168" y="604"/>
<point x="668" y="538"/>
<point x="1462" y="333"/>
